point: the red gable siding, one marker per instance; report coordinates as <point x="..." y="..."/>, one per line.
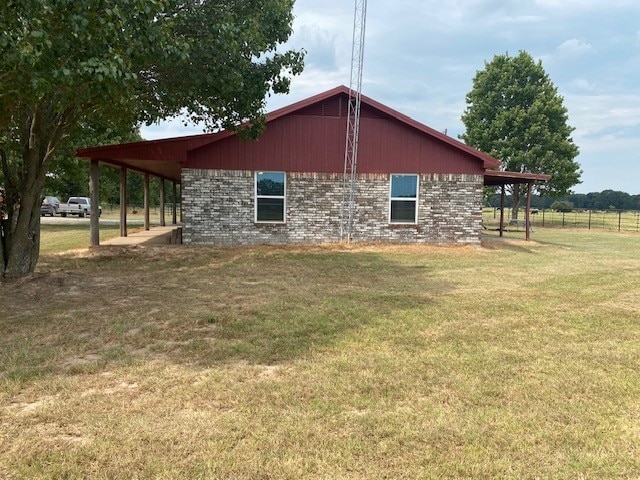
<point x="387" y="146"/>
<point x="312" y="140"/>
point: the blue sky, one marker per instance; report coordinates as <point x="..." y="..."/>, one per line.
<point x="421" y="57"/>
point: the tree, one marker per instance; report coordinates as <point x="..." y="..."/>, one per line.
<point x="514" y="113"/>
<point x="66" y="63"/>
<point x="562" y="206"/>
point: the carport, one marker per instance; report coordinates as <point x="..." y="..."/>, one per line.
<point x="161" y="159"/>
<point x="495" y="178"/>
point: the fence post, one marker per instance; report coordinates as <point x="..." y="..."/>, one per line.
<point x="589" y="219"/>
<point x="563" y="219"/>
<point x="619" y="219"/>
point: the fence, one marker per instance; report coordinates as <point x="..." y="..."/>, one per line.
<point x="135" y="208"/>
<point x="618" y="220"/>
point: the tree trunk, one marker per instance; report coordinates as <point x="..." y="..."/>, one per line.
<point x="21" y="244"/>
<point x="2" y="255"/>
<point x="24" y="174"/>
<point x="516" y="198"/>
<point x="21" y="228"/>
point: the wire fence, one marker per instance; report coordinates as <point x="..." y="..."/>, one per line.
<point x="137" y="208"/>
<point x="617" y="220"/>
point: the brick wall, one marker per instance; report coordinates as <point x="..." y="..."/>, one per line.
<point x="218" y="208"/>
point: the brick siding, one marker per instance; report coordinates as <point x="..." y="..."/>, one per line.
<point x="218" y="208"/>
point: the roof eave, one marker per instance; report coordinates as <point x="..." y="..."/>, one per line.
<point x="500" y="177"/>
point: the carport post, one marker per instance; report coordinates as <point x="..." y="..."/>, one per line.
<point x="146" y="201"/>
<point x="181" y="220"/>
<point x="94" y="184"/>
<point x="175" y="203"/>
<point x="528" y="212"/>
<point x="123" y="201"/>
<point x="502" y="195"/>
<point x="162" y="221"/>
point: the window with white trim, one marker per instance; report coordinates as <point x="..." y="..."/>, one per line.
<point x="403" y="198"/>
<point x="270" y="197"/>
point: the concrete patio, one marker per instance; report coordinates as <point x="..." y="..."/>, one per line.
<point x="153" y="236"/>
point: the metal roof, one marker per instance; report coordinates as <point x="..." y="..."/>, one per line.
<point x="488" y="160"/>
<point x="161" y="157"/>
<point x="165" y="157"/>
<point x="495" y="178"/>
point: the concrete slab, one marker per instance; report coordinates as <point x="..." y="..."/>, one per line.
<point x="153" y="236"/>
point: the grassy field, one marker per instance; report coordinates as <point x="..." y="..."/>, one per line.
<point x="625" y="221"/>
<point x="514" y="360"/>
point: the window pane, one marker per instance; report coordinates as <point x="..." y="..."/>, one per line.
<point x="270" y="209"/>
<point x="270" y="183"/>
<point x="404" y="186"/>
<point x="403" y="211"/>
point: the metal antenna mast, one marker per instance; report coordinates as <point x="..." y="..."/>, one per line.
<point x="347" y="211"/>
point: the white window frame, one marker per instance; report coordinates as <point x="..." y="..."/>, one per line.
<point x="404" y="199"/>
<point x="256" y="197"/>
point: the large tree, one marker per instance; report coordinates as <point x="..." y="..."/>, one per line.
<point x="67" y="62"/>
<point x="68" y="175"/>
<point x="514" y="113"/>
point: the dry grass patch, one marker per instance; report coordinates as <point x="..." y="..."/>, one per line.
<point x="515" y="360"/>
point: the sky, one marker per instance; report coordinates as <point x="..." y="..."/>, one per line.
<point x="421" y="56"/>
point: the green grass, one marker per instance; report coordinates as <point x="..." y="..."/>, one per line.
<point x="60" y="238"/>
<point x="515" y="360"/>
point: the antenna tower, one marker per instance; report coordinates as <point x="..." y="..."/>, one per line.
<point x="347" y="211"/>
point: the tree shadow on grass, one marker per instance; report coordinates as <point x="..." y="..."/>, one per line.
<point x="510" y="244"/>
<point x="203" y="306"/>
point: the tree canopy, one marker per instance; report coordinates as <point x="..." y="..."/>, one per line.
<point x="514" y="113"/>
<point x="67" y="63"/>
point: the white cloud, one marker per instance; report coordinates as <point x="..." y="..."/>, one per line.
<point x="574" y="47"/>
<point x="174" y="127"/>
<point x="577" y="6"/>
<point x="582" y="84"/>
<point x="321" y="46"/>
<point x="313" y="81"/>
<point x="591" y="114"/>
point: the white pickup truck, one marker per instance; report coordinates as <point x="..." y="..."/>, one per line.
<point x="80" y="206"/>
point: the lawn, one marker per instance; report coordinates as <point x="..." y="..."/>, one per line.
<point x="511" y="360"/>
<point x="60" y="238"/>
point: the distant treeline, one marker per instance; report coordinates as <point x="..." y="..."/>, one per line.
<point x="605" y="200"/>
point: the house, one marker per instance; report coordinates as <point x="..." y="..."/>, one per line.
<point x="413" y="183"/>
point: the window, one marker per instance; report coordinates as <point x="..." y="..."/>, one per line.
<point x="403" y="202"/>
<point x="270" y="201"/>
